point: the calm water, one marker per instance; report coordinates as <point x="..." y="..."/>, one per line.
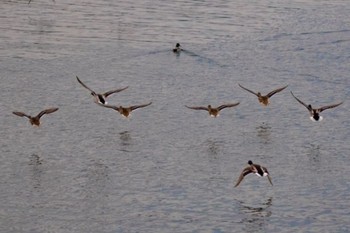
<point x="169" y="168"/>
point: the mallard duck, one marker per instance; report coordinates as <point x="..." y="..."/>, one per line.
<point x="315" y="112"/>
<point x="35" y="121"/>
<point x="214" y="112"/>
<point x="125" y="111"/>
<point x="264" y="99"/>
<point x="256" y="169"/>
<point x="100" y="98"/>
<point x="177" y="48"/>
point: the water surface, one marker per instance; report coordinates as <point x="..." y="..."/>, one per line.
<point x="169" y="168"/>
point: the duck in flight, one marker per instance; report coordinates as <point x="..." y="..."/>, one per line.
<point x="264" y="99"/>
<point x="315" y="112"/>
<point x="214" y="112"/>
<point x="256" y="169"/>
<point x="177" y="48"/>
<point x="100" y="98"/>
<point x="125" y="111"/>
<point x="35" y="120"/>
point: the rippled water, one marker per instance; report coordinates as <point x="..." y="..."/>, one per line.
<point x="169" y="168"/>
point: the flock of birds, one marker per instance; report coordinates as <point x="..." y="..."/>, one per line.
<point x="101" y="100"/>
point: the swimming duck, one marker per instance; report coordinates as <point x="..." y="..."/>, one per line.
<point x="264" y="99"/>
<point x="177" y="48"/>
<point x="125" y="111"/>
<point x="256" y="169"/>
<point x="315" y="112"/>
<point x="100" y="98"/>
<point x="35" y="121"/>
<point x="214" y="112"/>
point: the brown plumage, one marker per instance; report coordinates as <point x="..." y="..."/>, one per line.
<point x="125" y="111"/>
<point x="315" y="112"/>
<point x="264" y="99"/>
<point x="214" y="112"/>
<point x="36" y="119"/>
<point x="256" y="169"/>
<point x="100" y="98"/>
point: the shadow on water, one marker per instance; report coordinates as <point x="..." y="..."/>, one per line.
<point x="255" y="217"/>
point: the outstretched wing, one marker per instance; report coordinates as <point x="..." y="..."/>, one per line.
<point x="245" y="172"/>
<point x="197" y="108"/>
<point x="21" y="114"/>
<point x="108" y="106"/>
<point x="227" y="106"/>
<point x="248" y="90"/>
<point x="306" y="106"/>
<point x="139" y="106"/>
<point x="329" y="106"/>
<point x="106" y="94"/>
<point x="85" y="85"/>
<point x="47" y="111"/>
<point x="276" y="91"/>
<point x="268" y="175"/>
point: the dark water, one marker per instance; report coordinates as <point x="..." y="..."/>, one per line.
<point x="169" y="168"/>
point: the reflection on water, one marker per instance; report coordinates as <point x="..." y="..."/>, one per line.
<point x="125" y="138"/>
<point x="313" y="152"/>
<point x="125" y="141"/>
<point x="36" y="168"/>
<point x="255" y="217"/>
<point x="264" y="132"/>
<point x="213" y="147"/>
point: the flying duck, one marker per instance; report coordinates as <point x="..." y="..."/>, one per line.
<point x="177" y="48"/>
<point x="125" y="111"/>
<point x="214" y="112"/>
<point x="100" y="98"/>
<point x="315" y="112"/>
<point x="35" y="121"/>
<point x="264" y="99"/>
<point x="256" y="169"/>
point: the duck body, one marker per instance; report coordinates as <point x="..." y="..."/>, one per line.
<point x="125" y="111"/>
<point x="315" y="112"/>
<point x="213" y="112"/>
<point x="100" y="98"/>
<point x="264" y="99"/>
<point x="255" y="169"/>
<point x="35" y="120"/>
<point x="177" y="48"/>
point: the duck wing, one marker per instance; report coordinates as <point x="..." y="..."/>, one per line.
<point x="108" y="106"/>
<point x="197" y="108"/>
<point x="85" y="85"/>
<point x="47" y="111"/>
<point x="139" y="106"/>
<point x="276" y="91"/>
<point x="268" y="175"/>
<point x="21" y="114"/>
<point x="227" y="106"/>
<point x="248" y="90"/>
<point x="245" y="172"/>
<point x="329" y="106"/>
<point x="106" y="94"/>
<point x="306" y="106"/>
